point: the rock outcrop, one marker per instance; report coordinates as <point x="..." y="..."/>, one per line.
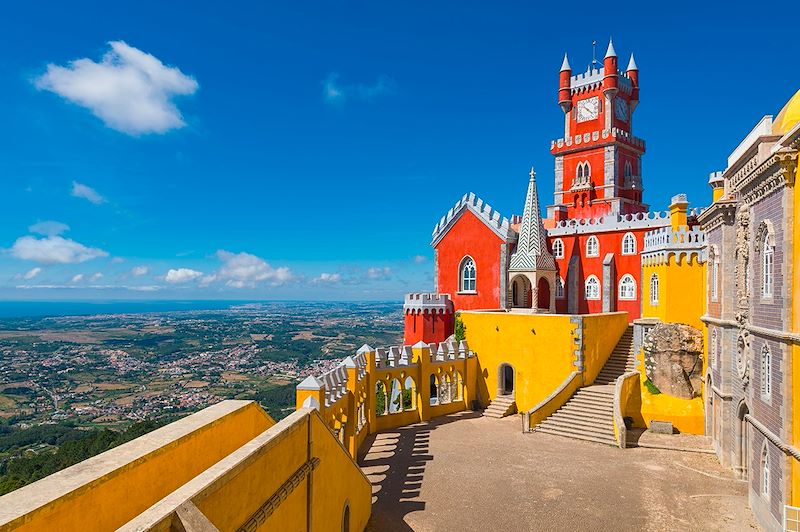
<point x="673" y="359"/>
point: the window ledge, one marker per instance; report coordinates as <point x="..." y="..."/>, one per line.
<point x="467" y="293"/>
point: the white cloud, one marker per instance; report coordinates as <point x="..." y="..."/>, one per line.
<point x="379" y="273"/>
<point x="335" y="92"/>
<point x="30" y="274"/>
<point x="240" y="270"/>
<point x="327" y="278"/>
<point x="138" y="271"/>
<point x="182" y="275"/>
<point x="54" y="250"/>
<point x="129" y="90"/>
<point x="77" y="278"/>
<point x="117" y="260"/>
<point x="48" y="228"/>
<point x="420" y="258"/>
<point x="96" y="277"/>
<point x="80" y="190"/>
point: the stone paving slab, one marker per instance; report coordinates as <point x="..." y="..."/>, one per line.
<point x="466" y="472"/>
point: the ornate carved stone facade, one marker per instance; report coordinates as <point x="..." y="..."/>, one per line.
<point x="748" y="393"/>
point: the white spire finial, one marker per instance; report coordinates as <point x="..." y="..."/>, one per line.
<point x="632" y="64"/>
<point x="532" y="174"/>
<point x="610" y="52"/>
<point x="565" y="64"/>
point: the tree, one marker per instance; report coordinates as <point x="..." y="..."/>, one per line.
<point x="460" y="328"/>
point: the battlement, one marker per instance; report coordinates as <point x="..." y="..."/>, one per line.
<point x="479" y="208"/>
<point x="598" y="137"/>
<point x="425" y="303"/>
<point x="593" y="79"/>
<point x="611" y="222"/>
<point x="666" y="242"/>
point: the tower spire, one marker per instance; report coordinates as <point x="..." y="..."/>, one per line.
<point x="610" y="52"/>
<point x="531" y="252"/>
<point x="565" y="64"/>
<point x="632" y="64"/>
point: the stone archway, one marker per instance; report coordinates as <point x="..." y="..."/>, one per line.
<point x="521" y="293"/>
<point x="742" y="442"/>
<point x="543" y="294"/>
<point x="505" y="379"/>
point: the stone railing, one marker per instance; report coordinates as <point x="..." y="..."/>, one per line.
<point x="662" y="243"/>
<point x="595" y="136"/>
<point x="624" y="388"/>
<point x="611" y="222"/>
<point x="552" y="402"/>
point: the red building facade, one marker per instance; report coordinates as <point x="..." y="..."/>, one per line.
<point x="594" y="232"/>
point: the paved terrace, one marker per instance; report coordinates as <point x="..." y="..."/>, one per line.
<point x="466" y="472"/>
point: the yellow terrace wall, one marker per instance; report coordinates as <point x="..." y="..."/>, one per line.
<point x="543" y="349"/>
<point x="264" y="485"/>
<point x="104" y="492"/>
<point x="681" y="291"/>
<point x="686" y="415"/>
<point x="346" y="396"/>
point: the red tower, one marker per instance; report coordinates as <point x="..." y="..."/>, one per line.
<point x="428" y="318"/>
<point x="598" y="161"/>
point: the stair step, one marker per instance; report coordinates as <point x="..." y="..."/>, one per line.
<point x="584" y="414"/>
<point x="609" y="440"/>
<point x="566" y="431"/>
<point x="579" y="430"/>
<point x="590" y="423"/>
<point x="592" y="401"/>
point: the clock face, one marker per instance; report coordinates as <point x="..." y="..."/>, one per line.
<point x="621" y="109"/>
<point x="588" y="108"/>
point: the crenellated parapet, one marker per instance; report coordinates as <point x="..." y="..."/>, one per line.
<point x="611" y="222"/>
<point x="596" y="137"/>
<point x="479" y="208"/>
<point x="427" y="303"/>
<point x="681" y="244"/>
<point x="382" y="388"/>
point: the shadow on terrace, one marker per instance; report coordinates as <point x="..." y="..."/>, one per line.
<point x="394" y="462"/>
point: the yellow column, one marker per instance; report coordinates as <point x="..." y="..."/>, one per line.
<point x="422" y="356"/>
<point x="311" y="393"/>
<point x="369" y="402"/>
<point x="352" y="415"/>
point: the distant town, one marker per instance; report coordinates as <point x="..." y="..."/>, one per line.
<point x="112" y="370"/>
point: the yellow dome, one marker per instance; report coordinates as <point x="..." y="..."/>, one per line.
<point x="788" y="117"/>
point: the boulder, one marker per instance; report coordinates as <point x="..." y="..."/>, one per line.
<point x="673" y="359"/>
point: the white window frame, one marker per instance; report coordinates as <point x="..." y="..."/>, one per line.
<point x="558" y="248"/>
<point x="593" y="240"/>
<point x="767" y="268"/>
<point x="591" y="296"/>
<point x="629" y="238"/>
<point x="654" y="290"/>
<point x="766" y="372"/>
<point x="559" y="288"/>
<point x="627" y="281"/>
<point x="463" y="287"/>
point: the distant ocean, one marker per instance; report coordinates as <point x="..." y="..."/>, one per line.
<point x="28" y="309"/>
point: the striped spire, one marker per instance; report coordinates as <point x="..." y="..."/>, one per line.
<point x="532" y="252"/>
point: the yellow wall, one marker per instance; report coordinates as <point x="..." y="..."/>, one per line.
<point x="540" y="348"/>
<point x="114" y="498"/>
<point x="795" y="349"/>
<point x="686" y="415"/>
<point x="681" y="293"/>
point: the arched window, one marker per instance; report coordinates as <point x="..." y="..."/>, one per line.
<point x="592" y="287"/>
<point x="559" y="288"/>
<point x="467" y="275"/>
<point x="766" y="372"/>
<point x="558" y="248"/>
<point x="628" y="174"/>
<point x="628" y="244"/>
<point x="434" y="390"/>
<point x="765" y="471"/>
<point x="592" y="247"/>
<point x="767" y="260"/>
<point x="583" y="173"/>
<point x="409" y="394"/>
<point x="627" y="287"/>
<point x="654" y="290"/>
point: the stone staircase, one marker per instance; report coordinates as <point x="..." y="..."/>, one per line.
<point x="588" y="415"/>
<point x="502" y="406"/>
<point x="621" y="360"/>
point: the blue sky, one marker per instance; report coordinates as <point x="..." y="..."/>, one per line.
<point x="306" y="149"/>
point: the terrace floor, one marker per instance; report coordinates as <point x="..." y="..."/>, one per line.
<point x="467" y="472"/>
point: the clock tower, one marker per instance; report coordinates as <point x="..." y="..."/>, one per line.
<point x="598" y="160"/>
